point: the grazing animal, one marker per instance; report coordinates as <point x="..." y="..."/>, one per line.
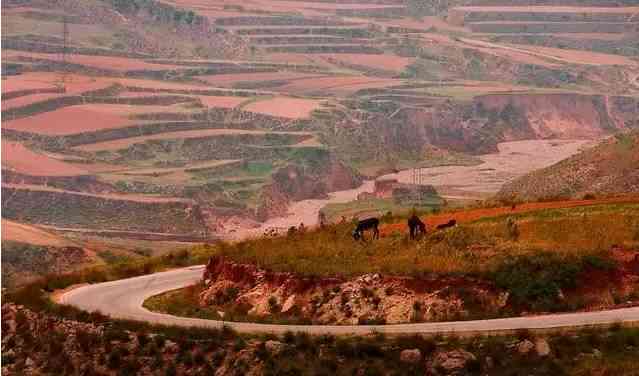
<point x="416" y="226"/>
<point x="365" y="225"/>
<point x="451" y="223"/>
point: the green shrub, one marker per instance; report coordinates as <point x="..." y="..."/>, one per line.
<point x="536" y="280"/>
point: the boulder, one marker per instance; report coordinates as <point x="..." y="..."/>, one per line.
<point x="412" y="356"/>
<point x="542" y="347"/>
<point x="525" y="346"/>
<point x="452" y="360"/>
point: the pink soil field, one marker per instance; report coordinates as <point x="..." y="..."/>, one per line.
<point x="220" y="102"/>
<point x="8" y="104"/>
<point x="423" y="24"/>
<point x="20" y="232"/>
<point x="112" y="196"/>
<point x="291" y="108"/>
<point x="75" y="84"/>
<point x="548" y="9"/>
<point x="338" y="85"/>
<point x="18" y="158"/>
<point x="300" y="7"/>
<point x="124" y="143"/>
<point x="102" y="62"/>
<point x="382" y="62"/>
<point x="295" y="58"/>
<point x="227" y="80"/>
<point x="80" y="118"/>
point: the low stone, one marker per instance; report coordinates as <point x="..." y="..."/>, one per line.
<point x="452" y="360"/>
<point x="525" y="346"/>
<point x="542" y="347"/>
<point x="29" y="363"/>
<point x="596" y="353"/>
<point x="289" y="303"/>
<point x="171" y="347"/>
<point x="410" y="356"/>
<point x="502" y="299"/>
<point x="274" y="347"/>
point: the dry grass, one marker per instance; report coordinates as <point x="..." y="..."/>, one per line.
<point x="476" y="247"/>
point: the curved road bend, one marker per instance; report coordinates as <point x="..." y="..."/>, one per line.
<point x="123" y="299"/>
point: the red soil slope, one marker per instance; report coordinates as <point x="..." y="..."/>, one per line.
<point x="16" y="157"/>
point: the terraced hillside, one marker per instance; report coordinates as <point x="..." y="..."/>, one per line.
<point x="208" y="116"/>
<point x="610" y="168"/>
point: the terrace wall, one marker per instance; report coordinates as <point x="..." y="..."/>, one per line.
<point x="65" y="209"/>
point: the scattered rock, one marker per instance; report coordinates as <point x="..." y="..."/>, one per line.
<point x="289" y="303"/>
<point x="542" y="347"/>
<point x="502" y="299"/>
<point x="274" y="347"/>
<point x="29" y="363"/>
<point x="525" y="346"/>
<point x="171" y="347"/>
<point x="596" y="353"/>
<point x="412" y="356"/>
<point x="452" y="360"/>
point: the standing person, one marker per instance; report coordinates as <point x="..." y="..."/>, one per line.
<point x="321" y="218"/>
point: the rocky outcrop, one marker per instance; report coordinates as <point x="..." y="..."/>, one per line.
<point x="370" y="298"/>
<point x="301" y="182"/>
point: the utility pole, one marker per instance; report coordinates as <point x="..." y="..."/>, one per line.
<point x="65" y="38"/>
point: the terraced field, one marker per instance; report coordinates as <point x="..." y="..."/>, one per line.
<point x="234" y="110"/>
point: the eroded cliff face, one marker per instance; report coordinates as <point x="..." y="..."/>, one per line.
<point x="476" y="127"/>
<point x="365" y="299"/>
<point x="296" y="183"/>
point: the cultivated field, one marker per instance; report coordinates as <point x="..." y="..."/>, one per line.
<point x="81" y="119"/>
<point x="18" y="158"/>
<point x="210" y="106"/>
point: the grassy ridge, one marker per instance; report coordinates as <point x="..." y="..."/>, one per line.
<point x="477" y="247"/>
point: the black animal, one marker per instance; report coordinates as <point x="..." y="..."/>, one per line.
<point x="365" y="225"/>
<point x="451" y="223"/>
<point x="416" y="226"/>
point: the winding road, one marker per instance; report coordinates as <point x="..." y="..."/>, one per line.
<point x="123" y="299"/>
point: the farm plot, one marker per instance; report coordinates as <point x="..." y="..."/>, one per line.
<point x="16" y="157"/>
<point x="291" y="108"/>
<point x="121" y="64"/>
<point x="376" y="62"/>
<point x="20" y="232"/>
<point x="82" y="118"/>
<point x="74" y="83"/>
<point x="580" y="57"/>
<point x="220" y="102"/>
<point x="127" y="142"/>
<point x="28" y="99"/>
<point x="337" y="85"/>
<point x="231" y="80"/>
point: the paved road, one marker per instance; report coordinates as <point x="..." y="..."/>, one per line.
<point x="124" y="298"/>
